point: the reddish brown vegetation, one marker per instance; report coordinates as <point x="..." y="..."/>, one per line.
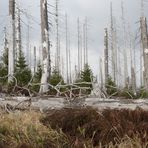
<point x="87" y="124"/>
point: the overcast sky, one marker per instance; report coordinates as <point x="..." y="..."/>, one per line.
<point x="97" y="12"/>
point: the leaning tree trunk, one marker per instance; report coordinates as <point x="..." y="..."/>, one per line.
<point x="45" y="47"/>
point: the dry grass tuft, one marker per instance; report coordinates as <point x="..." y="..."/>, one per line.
<point x="24" y="130"/>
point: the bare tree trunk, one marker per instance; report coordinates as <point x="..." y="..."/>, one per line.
<point x="67" y="57"/>
<point x="115" y="52"/>
<point x="78" y="46"/>
<point x="11" y="53"/>
<point x="101" y="74"/>
<point x="106" y="55"/>
<point x="144" y="39"/>
<point x="112" y="44"/>
<point x="86" y="35"/>
<point x="81" y="49"/>
<point x="18" y="35"/>
<point x="45" y="47"/>
<point x="28" y="49"/>
<point x="57" y="39"/>
<point x="35" y="61"/>
<point x="70" y="77"/>
<point x="133" y="65"/>
<point x="84" y="43"/>
<point x="126" y="78"/>
<point x="141" y="65"/>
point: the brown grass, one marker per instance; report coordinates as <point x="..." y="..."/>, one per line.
<point x="24" y="130"/>
<point x="114" y="127"/>
<point x="75" y="128"/>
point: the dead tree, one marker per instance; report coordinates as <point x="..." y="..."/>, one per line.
<point x="112" y="44"/>
<point x="85" y="41"/>
<point x="126" y="79"/>
<point x="67" y="57"/>
<point x="35" y="61"/>
<point x="84" y="44"/>
<point x="11" y="52"/>
<point x="45" y="47"/>
<point x="78" y="23"/>
<point x="133" y="65"/>
<point x="28" y="44"/>
<point x="101" y="74"/>
<point x="141" y="65"/>
<point x="106" y="55"/>
<point x="18" y="34"/>
<point x="81" y="49"/>
<point x="141" y="49"/>
<point x="86" y="38"/>
<point x="57" y="38"/>
<point x="144" y="40"/>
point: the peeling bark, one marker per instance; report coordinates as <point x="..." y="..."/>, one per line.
<point x="11" y="51"/>
<point x="45" y="47"/>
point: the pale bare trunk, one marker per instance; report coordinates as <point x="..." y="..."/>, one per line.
<point x="144" y="39"/>
<point x="45" y="47"/>
<point x="11" y="51"/>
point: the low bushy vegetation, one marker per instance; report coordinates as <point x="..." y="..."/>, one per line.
<point x="75" y="128"/>
<point x="87" y="127"/>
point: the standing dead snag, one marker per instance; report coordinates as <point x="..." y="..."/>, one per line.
<point x="106" y="55"/>
<point x="57" y="38"/>
<point x="67" y="59"/>
<point x="113" y="44"/>
<point x="34" y="63"/>
<point x="11" y="51"/>
<point x="45" y="47"/>
<point x="126" y="77"/>
<point x="18" y="46"/>
<point x="78" y="47"/>
<point x="144" y="39"/>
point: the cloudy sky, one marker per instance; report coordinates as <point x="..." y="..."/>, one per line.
<point x="97" y="12"/>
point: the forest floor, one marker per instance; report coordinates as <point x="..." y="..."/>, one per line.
<point x="46" y="103"/>
<point x="43" y="122"/>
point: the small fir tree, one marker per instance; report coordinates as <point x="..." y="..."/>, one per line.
<point x="111" y="87"/>
<point x="22" y="72"/>
<point x="55" y="78"/>
<point x="87" y="76"/>
<point x="37" y="78"/>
